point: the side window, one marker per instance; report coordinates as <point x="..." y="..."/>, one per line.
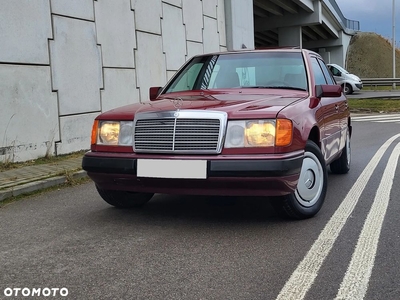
<point x="318" y="73"/>
<point x="334" y="71"/>
<point x="327" y="74"/>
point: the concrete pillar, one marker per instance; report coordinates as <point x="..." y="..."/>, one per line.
<point x="290" y="37"/>
<point x="326" y="55"/>
<point x="239" y="24"/>
<point x="338" y="56"/>
<point x="346" y="39"/>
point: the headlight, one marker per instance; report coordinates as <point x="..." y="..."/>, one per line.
<point x="258" y="133"/>
<point x="126" y="133"/>
<point x="113" y="133"/>
<point x="108" y="133"/>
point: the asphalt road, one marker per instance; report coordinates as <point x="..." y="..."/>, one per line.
<point x="203" y="248"/>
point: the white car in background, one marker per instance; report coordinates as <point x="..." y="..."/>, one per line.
<point x="349" y="82"/>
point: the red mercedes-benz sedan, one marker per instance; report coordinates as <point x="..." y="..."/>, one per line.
<point x="249" y="123"/>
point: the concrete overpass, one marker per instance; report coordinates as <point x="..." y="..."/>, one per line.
<point x="313" y="24"/>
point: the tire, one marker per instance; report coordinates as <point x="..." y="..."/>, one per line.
<point x="348" y="90"/>
<point x="306" y="201"/>
<point x="342" y="164"/>
<point x="124" y="199"/>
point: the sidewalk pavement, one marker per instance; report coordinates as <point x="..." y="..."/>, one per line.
<point x="29" y="179"/>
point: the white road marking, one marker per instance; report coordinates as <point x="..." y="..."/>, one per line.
<point x="374" y="116"/>
<point x="303" y="277"/>
<point x="388" y="121"/>
<point x="377" y="118"/>
<point x="355" y="283"/>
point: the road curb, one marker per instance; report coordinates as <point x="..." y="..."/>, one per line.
<point x="39" y="185"/>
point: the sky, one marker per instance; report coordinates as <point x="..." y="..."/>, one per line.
<point x="374" y="16"/>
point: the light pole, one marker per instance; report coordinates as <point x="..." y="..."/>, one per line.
<point x="394" y="44"/>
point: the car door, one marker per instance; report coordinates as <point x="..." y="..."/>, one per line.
<point x="330" y="133"/>
<point x="343" y="108"/>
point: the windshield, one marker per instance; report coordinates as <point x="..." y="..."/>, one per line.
<point x="284" y="70"/>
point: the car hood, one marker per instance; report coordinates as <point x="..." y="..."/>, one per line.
<point x="236" y="105"/>
<point x="354" y="77"/>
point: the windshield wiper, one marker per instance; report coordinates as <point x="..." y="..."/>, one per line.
<point x="273" y="87"/>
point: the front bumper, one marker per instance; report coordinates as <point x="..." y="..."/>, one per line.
<point x="258" y="175"/>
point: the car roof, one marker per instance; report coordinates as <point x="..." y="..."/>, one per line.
<point x="281" y="49"/>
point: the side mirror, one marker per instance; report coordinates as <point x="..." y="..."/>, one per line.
<point x="331" y="91"/>
<point x="154" y="92"/>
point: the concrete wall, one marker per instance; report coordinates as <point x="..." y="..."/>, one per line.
<point x="64" y="62"/>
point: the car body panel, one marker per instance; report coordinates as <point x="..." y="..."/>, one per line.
<point x="238" y="104"/>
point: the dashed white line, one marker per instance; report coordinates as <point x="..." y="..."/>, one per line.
<point x="355" y="283"/>
<point x="303" y="277"/>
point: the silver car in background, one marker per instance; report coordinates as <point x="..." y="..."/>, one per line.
<point x="348" y="81"/>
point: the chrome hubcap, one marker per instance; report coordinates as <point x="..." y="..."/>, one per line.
<point x="311" y="181"/>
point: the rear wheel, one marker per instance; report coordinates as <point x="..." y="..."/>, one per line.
<point x="342" y="164"/>
<point x="307" y="199"/>
<point x="124" y="199"/>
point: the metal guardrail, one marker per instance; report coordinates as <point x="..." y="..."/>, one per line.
<point x="380" y="81"/>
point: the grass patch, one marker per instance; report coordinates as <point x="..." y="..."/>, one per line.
<point x="380" y="88"/>
<point x="4" y="166"/>
<point x="374" y="105"/>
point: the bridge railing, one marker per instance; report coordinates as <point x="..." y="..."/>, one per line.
<point x="346" y="23"/>
<point x="353" y="25"/>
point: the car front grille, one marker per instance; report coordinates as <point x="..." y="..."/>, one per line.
<point x="179" y="132"/>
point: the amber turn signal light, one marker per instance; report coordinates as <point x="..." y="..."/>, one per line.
<point x="95" y="127"/>
<point x="284" y="132"/>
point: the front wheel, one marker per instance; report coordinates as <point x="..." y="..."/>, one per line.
<point x="124" y="199"/>
<point x="307" y="199"/>
<point x="347" y="88"/>
<point x="342" y="164"/>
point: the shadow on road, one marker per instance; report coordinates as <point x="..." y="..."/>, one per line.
<point x="163" y="209"/>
